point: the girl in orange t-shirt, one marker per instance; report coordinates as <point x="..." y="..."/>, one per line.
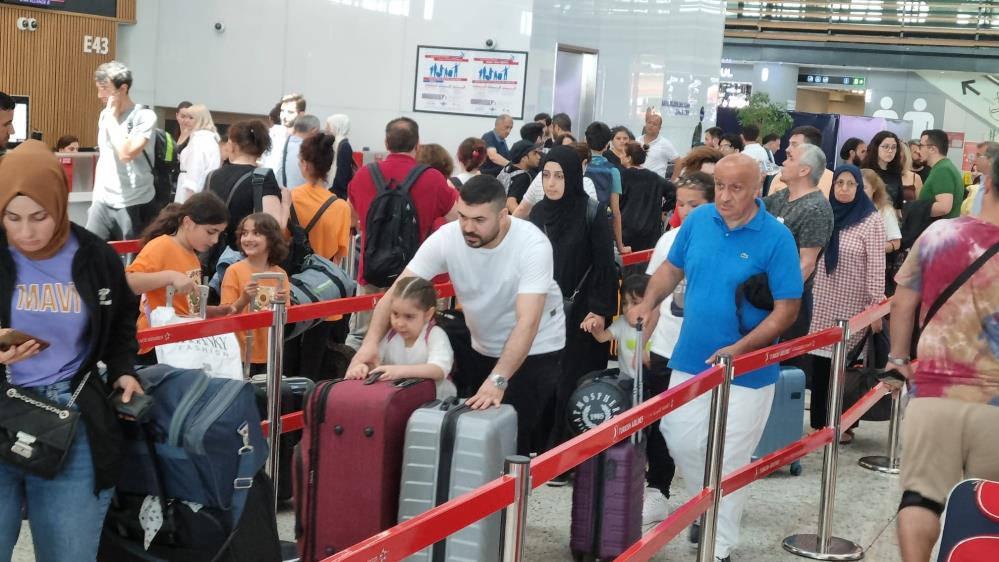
<point x="262" y="242"/>
<point x="169" y="255"/>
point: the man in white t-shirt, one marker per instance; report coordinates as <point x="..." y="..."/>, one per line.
<point x="124" y="192"/>
<point x="753" y="149"/>
<point x="502" y="271"/>
<point x="659" y="151"/>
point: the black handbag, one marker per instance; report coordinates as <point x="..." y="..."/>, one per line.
<point x="862" y="377"/>
<point x="36" y="434"/>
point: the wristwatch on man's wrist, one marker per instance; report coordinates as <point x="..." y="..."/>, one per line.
<point x="899" y="361"/>
<point x="499" y="381"/>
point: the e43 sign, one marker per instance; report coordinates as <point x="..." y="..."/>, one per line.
<point x="96" y="45"/>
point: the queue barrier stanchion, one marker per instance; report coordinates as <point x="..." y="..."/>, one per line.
<point x="824" y="546"/>
<point x="888" y="464"/>
<point x="714" y="459"/>
<point x="275" y="358"/>
<point x="515" y="515"/>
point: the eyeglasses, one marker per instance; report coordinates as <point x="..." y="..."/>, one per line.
<point x="889" y="148"/>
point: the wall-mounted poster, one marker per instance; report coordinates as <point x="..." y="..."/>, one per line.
<point x="474" y="82"/>
<point x="106" y="8"/>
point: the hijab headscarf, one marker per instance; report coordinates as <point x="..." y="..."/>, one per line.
<point x="33" y="171"/>
<point x="339" y="126"/>
<point x="846" y="215"/>
<point x="561" y="216"/>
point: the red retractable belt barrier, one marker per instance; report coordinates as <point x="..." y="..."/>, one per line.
<point x="127" y="246"/>
<point x="402" y="540"/>
<point x="438" y="523"/>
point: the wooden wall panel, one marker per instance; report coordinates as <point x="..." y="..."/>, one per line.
<point x="50" y="65"/>
<point x="126" y="11"/>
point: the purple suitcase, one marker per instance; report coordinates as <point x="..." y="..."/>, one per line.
<point x="607" y="502"/>
<point x="607" y="496"/>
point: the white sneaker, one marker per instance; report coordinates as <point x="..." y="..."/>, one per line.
<point x="655" y="507"/>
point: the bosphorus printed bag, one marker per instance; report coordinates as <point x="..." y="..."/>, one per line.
<point x="36" y="434"/>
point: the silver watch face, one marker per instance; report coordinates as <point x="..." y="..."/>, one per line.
<point x="499" y="380"/>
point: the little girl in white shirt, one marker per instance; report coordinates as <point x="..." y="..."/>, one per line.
<point x="415" y="347"/>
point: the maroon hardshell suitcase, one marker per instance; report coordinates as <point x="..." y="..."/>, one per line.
<point x="349" y="462"/>
<point x="607" y="495"/>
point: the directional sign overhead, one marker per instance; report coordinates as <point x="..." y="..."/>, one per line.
<point x="976" y="92"/>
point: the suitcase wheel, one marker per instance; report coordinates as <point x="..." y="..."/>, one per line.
<point x="796" y="468"/>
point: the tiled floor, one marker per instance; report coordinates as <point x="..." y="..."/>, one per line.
<point x="779" y="506"/>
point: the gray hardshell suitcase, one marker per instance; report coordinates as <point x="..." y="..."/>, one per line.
<point x="451" y="450"/>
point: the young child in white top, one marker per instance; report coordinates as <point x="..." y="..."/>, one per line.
<point x="414" y="347"/>
<point x="632" y="293"/>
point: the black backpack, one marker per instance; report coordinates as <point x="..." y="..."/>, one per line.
<point x="162" y="164"/>
<point x="392" y="230"/>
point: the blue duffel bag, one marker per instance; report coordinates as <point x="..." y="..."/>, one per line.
<point x="206" y="436"/>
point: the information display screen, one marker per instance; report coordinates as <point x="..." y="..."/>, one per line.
<point x="107" y="8"/>
<point x="475" y="82"/>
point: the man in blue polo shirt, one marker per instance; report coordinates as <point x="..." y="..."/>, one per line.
<point x="720" y="246"/>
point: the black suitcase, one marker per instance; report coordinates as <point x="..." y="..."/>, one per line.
<point x="293" y="393"/>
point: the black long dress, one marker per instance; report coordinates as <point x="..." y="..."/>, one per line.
<point x="583" y="251"/>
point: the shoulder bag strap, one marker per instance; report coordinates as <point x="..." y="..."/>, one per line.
<point x="284" y="162"/>
<point x="131" y="124"/>
<point x="258" y="189"/>
<point x="377" y="177"/>
<point x="961" y="280"/>
<point x="412" y="177"/>
<point x="319" y="214"/>
<point x="235" y="187"/>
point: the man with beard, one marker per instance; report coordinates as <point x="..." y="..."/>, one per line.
<point x="6" y="121"/>
<point x="919" y="164"/>
<point x="502" y="269"/>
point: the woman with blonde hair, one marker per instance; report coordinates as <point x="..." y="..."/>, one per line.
<point x="911" y="181"/>
<point x="201" y="156"/>
<point x="876" y="189"/>
<point x="343" y="168"/>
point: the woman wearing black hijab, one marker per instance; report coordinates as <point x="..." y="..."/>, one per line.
<point x="584" y="269"/>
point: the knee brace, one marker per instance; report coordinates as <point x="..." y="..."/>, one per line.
<point x="915" y="499"/>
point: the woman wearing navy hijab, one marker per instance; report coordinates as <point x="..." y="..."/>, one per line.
<point x="849" y="278"/>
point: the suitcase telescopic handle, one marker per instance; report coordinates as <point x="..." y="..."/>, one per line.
<point x="637" y="388"/>
<point x="202" y="302"/>
<point x="281" y="277"/>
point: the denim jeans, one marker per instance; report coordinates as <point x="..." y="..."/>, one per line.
<point x="65" y="516"/>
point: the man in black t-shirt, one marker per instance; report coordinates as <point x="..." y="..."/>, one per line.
<point x="516" y="177"/>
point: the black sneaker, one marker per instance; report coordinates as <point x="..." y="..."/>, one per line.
<point x="695" y="533"/>
<point x="560" y="480"/>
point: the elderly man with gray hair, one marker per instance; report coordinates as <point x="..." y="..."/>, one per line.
<point x="807" y="213"/>
<point x="497" y="151"/>
<point x="289" y="175"/>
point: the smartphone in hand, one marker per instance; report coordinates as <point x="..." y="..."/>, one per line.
<point x="14" y="338"/>
<point x="136" y="408"/>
